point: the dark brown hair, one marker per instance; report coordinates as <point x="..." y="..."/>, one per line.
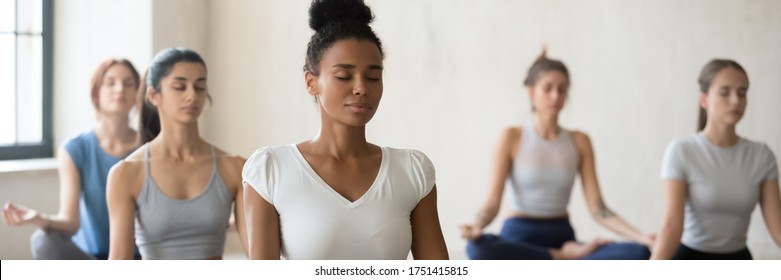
<point x="161" y="66"/>
<point x="100" y="73"/>
<point x="706" y="79"/>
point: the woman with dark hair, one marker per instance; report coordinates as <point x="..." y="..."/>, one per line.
<point x="337" y="196"/>
<point x="540" y="161"/>
<point x="714" y="179"/>
<point x="178" y="188"/>
<point x="81" y="228"/>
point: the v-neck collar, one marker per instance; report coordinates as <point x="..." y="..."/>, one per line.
<point x="380" y="177"/>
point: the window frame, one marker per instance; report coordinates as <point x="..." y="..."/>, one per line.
<point x="45" y="148"/>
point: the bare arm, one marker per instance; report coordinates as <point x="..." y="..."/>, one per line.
<point x="427" y="240"/>
<point x="596" y="205"/>
<point x="770" y="202"/>
<point x="672" y="228"/>
<point x="67" y="220"/>
<point x="263" y="236"/>
<point x="501" y="164"/>
<point x="121" y="211"/>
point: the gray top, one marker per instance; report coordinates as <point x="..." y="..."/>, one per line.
<point x="543" y="173"/>
<point x="723" y="188"/>
<point x="193" y="228"/>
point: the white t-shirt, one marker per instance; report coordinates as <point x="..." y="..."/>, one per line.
<point x="318" y="223"/>
<point x="723" y="189"/>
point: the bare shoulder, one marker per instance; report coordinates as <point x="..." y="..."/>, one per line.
<point x="229" y="161"/>
<point x="126" y="176"/>
<point x="580" y="137"/>
<point x="582" y="140"/>
<point x="126" y="169"/>
<point x="130" y="167"/>
<point x="230" y="167"/>
<point x="137" y="156"/>
<point x="509" y="141"/>
<point x="510" y="134"/>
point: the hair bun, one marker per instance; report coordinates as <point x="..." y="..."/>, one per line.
<point x="544" y="54"/>
<point x="324" y="12"/>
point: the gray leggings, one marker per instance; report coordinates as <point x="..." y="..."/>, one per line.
<point x="56" y="245"/>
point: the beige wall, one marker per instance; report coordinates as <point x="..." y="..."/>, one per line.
<point x="179" y="23"/>
<point x="34" y="189"/>
<point x="453" y="80"/>
<point x="86" y="33"/>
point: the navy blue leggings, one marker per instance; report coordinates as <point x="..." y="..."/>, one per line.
<point x="528" y="239"/>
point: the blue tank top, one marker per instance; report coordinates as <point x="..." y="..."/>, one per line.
<point x="93" y="165"/>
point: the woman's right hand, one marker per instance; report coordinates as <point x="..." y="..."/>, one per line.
<point x="18" y="215"/>
<point x="470" y="232"/>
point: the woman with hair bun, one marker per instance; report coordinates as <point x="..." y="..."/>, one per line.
<point x="337" y="196"/>
<point x="540" y="161"/>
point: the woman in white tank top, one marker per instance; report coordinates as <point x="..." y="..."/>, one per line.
<point x="539" y="162"/>
<point x="714" y="179"/>
<point x="338" y="196"/>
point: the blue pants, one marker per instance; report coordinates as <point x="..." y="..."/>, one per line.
<point x="527" y="239"/>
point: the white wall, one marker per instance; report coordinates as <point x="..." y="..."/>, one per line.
<point x="453" y="79"/>
<point x="86" y="33"/>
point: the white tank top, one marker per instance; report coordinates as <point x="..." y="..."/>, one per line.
<point x="542" y="174"/>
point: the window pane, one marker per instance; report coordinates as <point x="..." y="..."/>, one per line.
<point x="29" y="93"/>
<point x="7" y="15"/>
<point x="7" y="90"/>
<point x="30" y="16"/>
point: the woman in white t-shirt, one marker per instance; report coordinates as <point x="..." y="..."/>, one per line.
<point x="714" y="178"/>
<point x="338" y="196"/>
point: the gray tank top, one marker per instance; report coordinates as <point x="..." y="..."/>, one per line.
<point x="543" y="173"/>
<point x="193" y="228"/>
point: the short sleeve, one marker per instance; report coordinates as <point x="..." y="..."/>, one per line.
<point x="672" y="163"/>
<point x="771" y="173"/>
<point x="75" y="148"/>
<point x="259" y="172"/>
<point x="423" y="172"/>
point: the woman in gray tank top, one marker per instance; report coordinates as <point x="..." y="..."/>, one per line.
<point x="539" y="163"/>
<point x="714" y="179"/>
<point x="174" y="195"/>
